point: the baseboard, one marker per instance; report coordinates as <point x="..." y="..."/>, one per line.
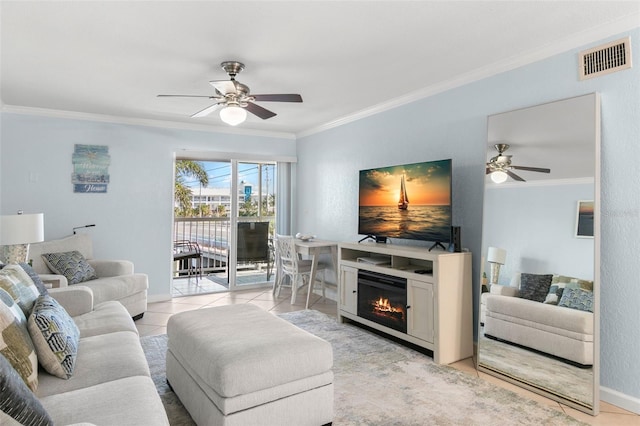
<point x="153" y="298"/>
<point x="620" y="399"/>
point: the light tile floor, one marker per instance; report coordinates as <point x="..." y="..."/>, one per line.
<point x="155" y="322"/>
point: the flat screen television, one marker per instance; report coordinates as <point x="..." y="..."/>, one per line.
<point x="410" y="201"/>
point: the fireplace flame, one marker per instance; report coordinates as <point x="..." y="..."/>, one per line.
<point x="383" y="305"/>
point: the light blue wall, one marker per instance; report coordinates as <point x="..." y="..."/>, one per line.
<point x="134" y="218"/>
<point x="536" y="226"/>
<point x="453" y="125"/>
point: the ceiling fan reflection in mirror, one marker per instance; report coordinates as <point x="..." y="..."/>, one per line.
<point x="234" y="99"/>
<point x="500" y="167"/>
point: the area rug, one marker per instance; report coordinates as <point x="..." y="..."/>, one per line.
<point x="379" y="382"/>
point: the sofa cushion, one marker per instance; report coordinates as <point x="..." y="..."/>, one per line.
<point x="107" y="317"/>
<point x="130" y="401"/>
<point x="15" y="281"/>
<point x="72" y="265"/>
<point x="15" y="343"/>
<point x="17" y="401"/>
<point x="534" y="286"/>
<point x="101" y="359"/>
<point x="55" y="337"/>
<point x="570" y="323"/>
<point x="577" y="298"/>
<point x="117" y="288"/>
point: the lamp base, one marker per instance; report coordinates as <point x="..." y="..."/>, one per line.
<point x="14" y="253"/>
<point x="495" y="273"/>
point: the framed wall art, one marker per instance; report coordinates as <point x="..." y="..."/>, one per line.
<point x="584" y="219"/>
<point x="90" y="168"/>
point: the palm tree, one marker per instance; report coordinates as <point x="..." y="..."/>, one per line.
<point x="182" y="193"/>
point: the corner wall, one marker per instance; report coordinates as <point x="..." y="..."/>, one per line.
<point x="453" y="125"/>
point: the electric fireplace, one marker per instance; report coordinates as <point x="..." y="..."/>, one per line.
<point x="383" y="299"/>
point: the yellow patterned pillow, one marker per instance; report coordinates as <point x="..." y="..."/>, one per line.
<point x="17" y="282"/>
<point x="15" y="343"/>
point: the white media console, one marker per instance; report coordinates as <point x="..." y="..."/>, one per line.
<point x="439" y="313"/>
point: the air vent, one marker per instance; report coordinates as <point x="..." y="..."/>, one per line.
<point x="601" y="60"/>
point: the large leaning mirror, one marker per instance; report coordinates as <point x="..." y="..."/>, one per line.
<point x="538" y="325"/>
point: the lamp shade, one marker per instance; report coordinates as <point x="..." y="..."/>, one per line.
<point x="233" y="115"/>
<point x="21" y="229"/>
<point x="496" y="255"/>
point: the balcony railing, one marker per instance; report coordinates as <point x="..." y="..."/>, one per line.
<point x="212" y="235"/>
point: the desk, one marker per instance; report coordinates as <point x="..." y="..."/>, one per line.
<point x="313" y="248"/>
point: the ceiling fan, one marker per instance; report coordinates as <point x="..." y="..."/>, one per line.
<point x="235" y="98"/>
<point x="499" y="167"/>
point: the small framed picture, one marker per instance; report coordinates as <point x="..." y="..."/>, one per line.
<point x="584" y="219"/>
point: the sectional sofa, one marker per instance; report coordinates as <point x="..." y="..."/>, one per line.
<point x="65" y="360"/>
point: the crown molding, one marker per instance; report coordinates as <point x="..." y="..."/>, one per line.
<point x="103" y="118"/>
<point x="592" y="35"/>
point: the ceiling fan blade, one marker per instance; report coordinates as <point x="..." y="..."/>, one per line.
<point x="259" y="111"/>
<point x="488" y="171"/>
<point x="514" y="176"/>
<point x="208" y="110"/>
<point x="224" y="86"/>
<point x="186" y="96"/>
<point x="532" y="169"/>
<point x="278" y="98"/>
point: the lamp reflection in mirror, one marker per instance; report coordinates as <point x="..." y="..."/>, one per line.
<point x="499" y="176"/>
<point x="17" y="232"/>
<point x="233" y="114"/>
<point x="496" y="257"/>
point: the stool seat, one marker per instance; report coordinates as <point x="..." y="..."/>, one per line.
<point x="237" y="363"/>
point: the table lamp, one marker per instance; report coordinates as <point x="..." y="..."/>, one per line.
<point x="17" y="232"/>
<point x="496" y="257"/>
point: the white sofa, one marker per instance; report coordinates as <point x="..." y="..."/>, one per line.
<point x="559" y="331"/>
<point x="111" y="383"/>
<point x="116" y="278"/>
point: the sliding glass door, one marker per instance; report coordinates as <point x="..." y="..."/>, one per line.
<point x="255" y="223"/>
<point x="226" y="211"/>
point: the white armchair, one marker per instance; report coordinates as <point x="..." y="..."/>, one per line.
<point x="116" y="278"/>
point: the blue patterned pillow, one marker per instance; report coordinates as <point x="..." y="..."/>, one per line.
<point x="577" y="298"/>
<point x="17" y="401"/>
<point x="55" y="336"/>
<point x="72" y="265"/>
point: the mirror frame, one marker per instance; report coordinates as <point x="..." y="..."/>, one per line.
<point x="595" y="406"/>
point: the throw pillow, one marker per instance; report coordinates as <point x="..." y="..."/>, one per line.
<point x="34" y="277"/>
<point x="15" y="343"/>
<point x="534" y="287"/>
<point x="558" y="284"/>
<point x="55" y="336"/>
<point x="577" y="298"/>
<point x="17" y="401"/>
<point x="72" y="265"/>
<point x="15" y="281"/>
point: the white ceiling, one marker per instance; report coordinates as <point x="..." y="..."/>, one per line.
<point x="347" y="59"/>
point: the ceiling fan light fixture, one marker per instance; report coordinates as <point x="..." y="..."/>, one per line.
<point x="233" y="115"/>
<point x="499" y="176"/>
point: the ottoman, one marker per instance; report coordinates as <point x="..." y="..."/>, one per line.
<point x="240" y="365"/>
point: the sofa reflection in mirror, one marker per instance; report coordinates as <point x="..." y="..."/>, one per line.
<point x="552" y="314"/>
<point x="538" y="323"/>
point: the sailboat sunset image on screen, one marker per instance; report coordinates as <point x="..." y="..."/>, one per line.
<point x="385" y="209"/>
<point x="403" y="202"/>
